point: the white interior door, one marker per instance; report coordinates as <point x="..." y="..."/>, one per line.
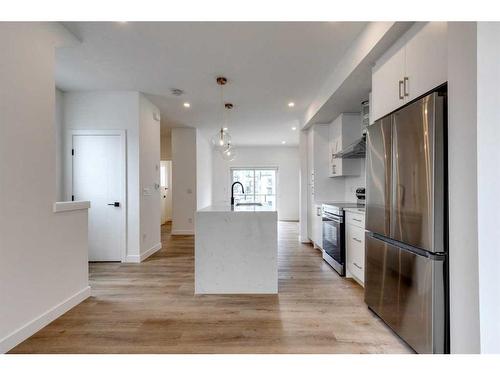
<point x="98" y="177"/>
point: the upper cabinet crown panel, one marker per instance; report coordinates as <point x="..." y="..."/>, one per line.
<point x="414" y="65"/>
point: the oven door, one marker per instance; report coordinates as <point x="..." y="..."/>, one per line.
<point x="333" y="241"/>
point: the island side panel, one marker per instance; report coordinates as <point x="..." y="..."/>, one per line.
<point x="236" y="253"/>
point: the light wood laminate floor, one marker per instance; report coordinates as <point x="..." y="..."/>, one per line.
<point x="150" y="308"/>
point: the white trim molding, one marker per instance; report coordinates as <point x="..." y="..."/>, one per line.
<point x="139" y="258"/>
<point x="15" y="338"/>
<point x="150" y="252"/>
<point x="182" y="232"/>
<point x="304" y="240"/>
<point x="132" y="259"/>
<point x="71" y="206"/>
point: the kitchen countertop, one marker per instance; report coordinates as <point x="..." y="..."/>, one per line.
<point x="228" y="208"/>
<point x="358" y="210"/>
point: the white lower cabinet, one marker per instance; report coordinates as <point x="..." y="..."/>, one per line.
<point x="355" y="246"/>
<point x="317" y="227"/>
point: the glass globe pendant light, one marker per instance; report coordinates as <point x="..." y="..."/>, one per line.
<point x="229" y="154"/>
<point x="221" y="139"/>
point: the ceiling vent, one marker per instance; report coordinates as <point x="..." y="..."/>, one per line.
<point x="177" y="92"/>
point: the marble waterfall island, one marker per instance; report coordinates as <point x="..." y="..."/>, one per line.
<point x="236" y="250"/>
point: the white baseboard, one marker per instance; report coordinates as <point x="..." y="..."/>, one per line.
<point x="139" y="258"/>
<point x="18" y="336"/>
<point x="132" y="259"/>
<point x="181" y="232"/>
<point x="304" y="239"/>
<point x="150" y="252"/>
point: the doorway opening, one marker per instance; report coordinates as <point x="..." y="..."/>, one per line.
<point x="166" y="191"/>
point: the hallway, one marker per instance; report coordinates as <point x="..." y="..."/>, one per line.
<point x="150" y="308"/>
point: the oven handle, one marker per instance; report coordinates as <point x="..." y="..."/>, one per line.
<point x="336" y="219"/>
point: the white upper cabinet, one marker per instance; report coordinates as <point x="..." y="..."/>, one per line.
<point x="387" y="83"/>
<point x="414" y="65"/>
<point x="426" y="59"/>
<point x="344" y="130"/>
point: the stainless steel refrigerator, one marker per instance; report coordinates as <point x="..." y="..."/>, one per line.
<point x="406" y="278"/>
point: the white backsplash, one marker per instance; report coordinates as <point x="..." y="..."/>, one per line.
<point x="352" y="183"/>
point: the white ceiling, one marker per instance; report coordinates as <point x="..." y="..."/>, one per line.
<point x="267" y="64"/>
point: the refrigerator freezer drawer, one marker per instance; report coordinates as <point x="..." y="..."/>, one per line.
<point x="408" y="292"/>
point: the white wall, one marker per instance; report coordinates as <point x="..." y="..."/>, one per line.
<point x="203" y="171"/>
<point x="285" y="158"/>
<point x="58" y="126"/>
<point x="132" y="112"/>
<point x="43" y="266"/>
<point x="183" y="180"/>
<point x="149" y="163"/>
<point x="94" y="110"/>
<point x="488" y="180"/>
<point x="462" y="166"/>
<point x="166" y="146"/>
<point x="303" y="188"/>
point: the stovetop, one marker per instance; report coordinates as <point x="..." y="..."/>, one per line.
<point x="337" y="208"/>
<point x="345" y="204"/>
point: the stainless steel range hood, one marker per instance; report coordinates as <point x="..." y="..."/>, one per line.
<point x="356" y="150"/>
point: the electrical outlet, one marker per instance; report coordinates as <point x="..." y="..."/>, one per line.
<point x="190" y="220"/>
<point x="143" y="237"/>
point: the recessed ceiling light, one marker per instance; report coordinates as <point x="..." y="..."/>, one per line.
<point x="225" y="129"/>
<point x="283" y="142"/>
<point x="187" y="105"/>
<point x="294" y="128"/>
<point x="291" y="104"/>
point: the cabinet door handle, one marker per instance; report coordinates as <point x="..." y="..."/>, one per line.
<point x="356" y="239"/>
<point x="357" y="265"/>
<point x="358" y="220"/>
<point x="401" y="94"/>
<point x="406" y="85"/>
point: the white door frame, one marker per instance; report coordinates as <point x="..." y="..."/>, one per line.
<point x="69" y="173"/>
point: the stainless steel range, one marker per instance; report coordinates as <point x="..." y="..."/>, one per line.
<point x="334" y="233"/>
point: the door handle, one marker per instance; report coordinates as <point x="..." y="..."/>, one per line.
<point x="401" y="94"/>
<point x="115" y="204"/>
<point x="405" y="85"/>
<point x="357" y="265"/>
<point x="356" y="239"/>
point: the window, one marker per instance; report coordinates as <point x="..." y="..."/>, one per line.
<point x="259" y="184"/>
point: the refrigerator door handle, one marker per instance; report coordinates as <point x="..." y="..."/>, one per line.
<point x="401" y="94"/>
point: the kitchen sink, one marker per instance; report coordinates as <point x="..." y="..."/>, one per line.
<point x="249" y="204"/>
